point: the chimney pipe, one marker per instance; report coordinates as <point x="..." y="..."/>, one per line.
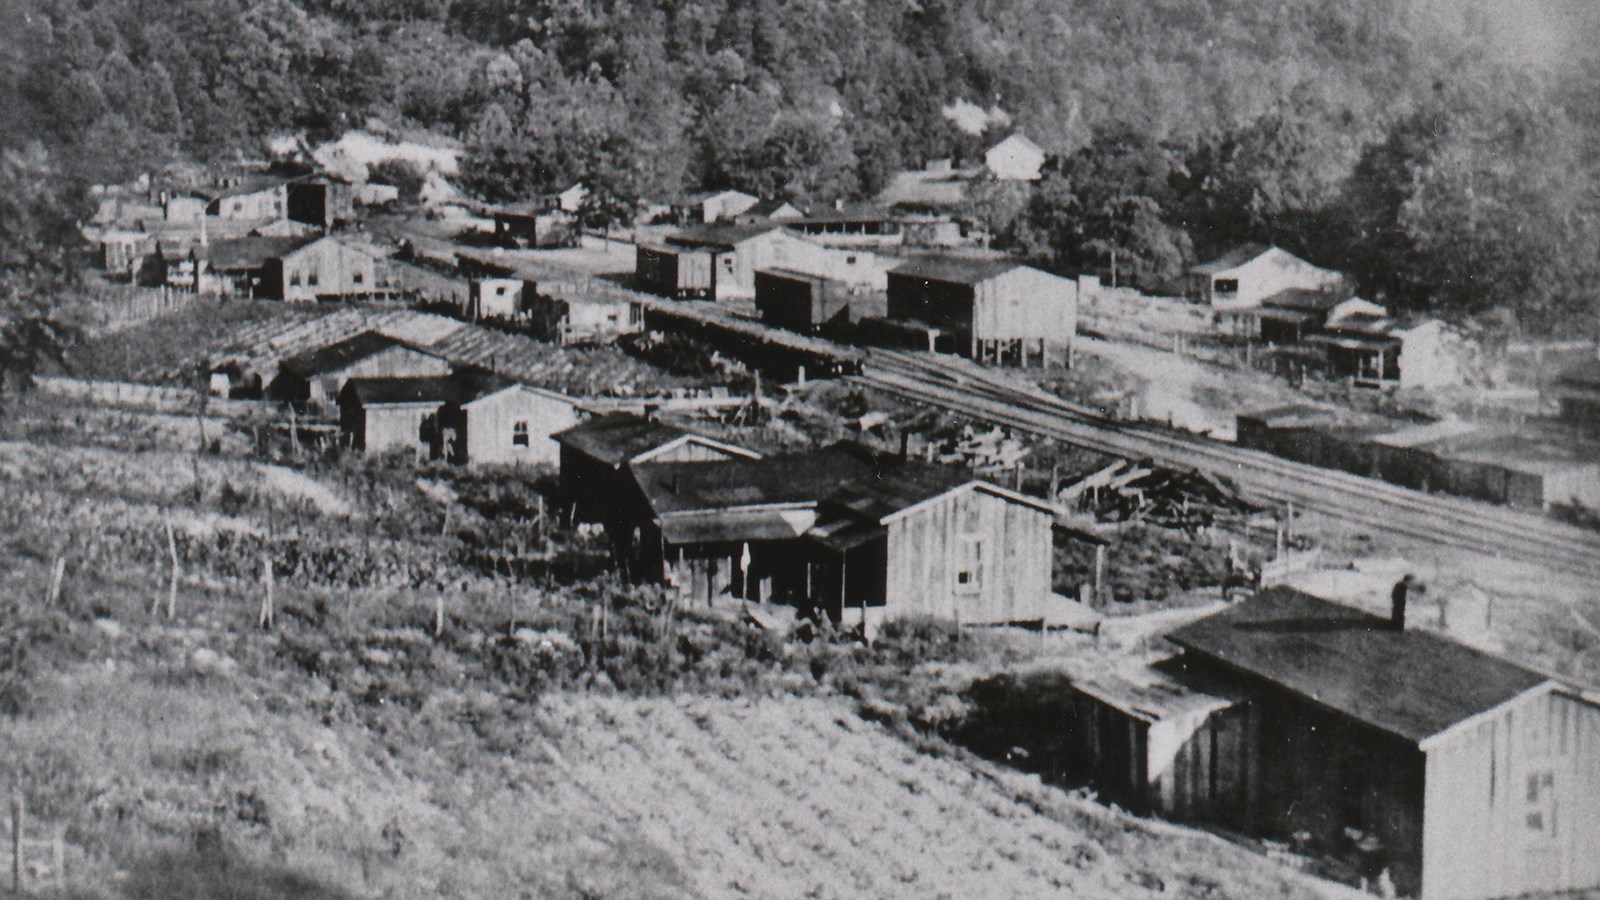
<point x="1398" y="597"/>
<point x="905" y="445"/>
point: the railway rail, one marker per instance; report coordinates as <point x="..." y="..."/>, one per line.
<point x="1470" y="525"/>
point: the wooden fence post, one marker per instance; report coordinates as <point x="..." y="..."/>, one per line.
<point x="438" y="613"/>
<point x="16" y="841"/>
<point x="266" y="616"/>
<point x="172" y="587"/>
<point x="57" y="573"/>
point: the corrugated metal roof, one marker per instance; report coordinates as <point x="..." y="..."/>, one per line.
<point x="1302" y="300"/>
<point x="721" y="236"/>
<point x="340" y="354"/>
<point x="1410" y="683"/>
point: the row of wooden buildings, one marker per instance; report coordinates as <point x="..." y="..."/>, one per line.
<point x="845" y="531"/>
<point x="393" y="396"/>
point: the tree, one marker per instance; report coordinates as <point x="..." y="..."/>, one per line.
<point x="37" y="237"/>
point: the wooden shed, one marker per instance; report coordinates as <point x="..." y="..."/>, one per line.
<point x="595" y="456"/>
<point x="1577" y="389"/>
<point x="682" y="273"/>
<point x="493" y="421"/>
<point x="1462" y="774"/>
<point x="582" y="317"/>
<point x="534" y="225"/>
<point x="328" y="268"/>
<point x="503" y="298"/>
<point x="378" y="415"/>
<point x="316" y="377"/>
<point x="994" y="310"/>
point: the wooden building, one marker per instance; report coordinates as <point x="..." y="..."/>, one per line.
<point x="584" y="317"/>
<point x="596" y="455"/>
<point x="733" y="254"/>
<point x="1460" y="773"/>
<point x="1292" y="315"/>
<point x="1369" y="348"/>
<point x="381" y="415"/>
<point x="322" y="199"/>
<point x="809" y="303"/>
<point x="122" y="253"/>
<point x="502" y="298"/>
<point x="988" y="309"/>
<point x="1243" y="277"/>
<point x="1014" y="159"/>
<point x="534" y="225"/>
<point x="316" y="377"/>
<point x="711" y="207"/>
<point x="768" y="211"/>
<point x="328" y="268"/>
<point x="1577" y="389"/>
<point x="249" y="198"/>
<point x="855" y="534"/>
<point x="490" y="421"/>
<point x="875" y="227"/>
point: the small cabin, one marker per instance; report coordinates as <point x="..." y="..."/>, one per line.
<point x="327" y="268"/>
<point x="381" y="415"/>
<point x="534" y="225"/>
<point x="495" y="422"/>
<point x="583" y="317"/>
<point x="499" y="298"/>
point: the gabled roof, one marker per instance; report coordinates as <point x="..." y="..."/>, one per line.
<point x="245" y="186"/>
<point x="724" y="237"/>
<point x="1233" y="259"/>
<point x="249" y="252"/>
<point x="1410" y="684"/>
<point x="766" y="209"/>
<point x="1018" y="139"/>
<point x="619" y="438"/>
<point x="430" y="389"/>
<point x="703" y="196"/>
<point x="954" y="269"/>
<point x="339" y="355"/>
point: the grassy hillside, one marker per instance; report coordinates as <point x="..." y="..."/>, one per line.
<point x="551" y="736"/>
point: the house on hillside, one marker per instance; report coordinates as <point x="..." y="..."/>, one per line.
<point x="315" y="378"/>
<point x="122" y="253"/>
<point x="499" y="298"/>
<point x="1014" y="159"/>
<point x="711" y="207"/>
<point x="596" y="454"/>
<point x="1370" y="348"/>
<point x="1577" y="389"/>
<point x="809" y="303"/>
<point x="534" y="225"/>
<point x="493" y="421"/>
<point x="767" y="211"/>
<point x="322" y="199"/>
<point x="860" y="536"/>
<point x="987" y="309"/>
<point x="1362" y="737"/>
<point x="1243" y="277"/>
<point x="249" y="198"/>
<point x="328" y="268"/>
<point x="380" y="415"/>
<point x="568" y="200"/>
<point x="468" y="417"/>
<point x="1292" y="315"/>
<point x="584" y="317"/>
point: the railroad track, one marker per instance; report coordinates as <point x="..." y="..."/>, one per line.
<point x="1492" y="530"/>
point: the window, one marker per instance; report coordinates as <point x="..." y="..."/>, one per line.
<point x="358" y="278"/>
<point x="312" y="279"/>
<point x="500" y="291"/>
<point x="850" y="260"/>
<point x="519" y="434"/>
<point x="1541" y="804"/>
<point x="238" y="206"/>
<point x="969" y="564"/>
<point x="294" y="279"/>
<point x="1225" y="286"/>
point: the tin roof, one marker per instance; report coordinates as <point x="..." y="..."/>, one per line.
<point x="615" y="438"/>
<point x="336" y="356"/>
<point x="720" y="236"/>
<point x="1410" y="684"/>
<point x="1233" y="259"/>
<point x="436" y="389"/>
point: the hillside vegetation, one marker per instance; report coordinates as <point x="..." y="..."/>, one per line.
<point x="1442" y="152"/>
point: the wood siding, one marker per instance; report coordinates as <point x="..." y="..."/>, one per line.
<point x="394" y="362"/>
<point x="323" y="268"/>
<point x="1011" y="544"/>
<point x="1539" y="758"/>
<point x="488" y="427"/>
<point x="388" y="427"/>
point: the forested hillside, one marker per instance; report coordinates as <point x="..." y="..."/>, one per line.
<point x="1444" y="152"/>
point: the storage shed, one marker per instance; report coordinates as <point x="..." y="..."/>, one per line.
<point x="595" y="456"/>
<point x="317" y="376"/>
<point x="995" y="310"/>
<point x="805" y="302"/>
<point x="379" y="415"/>
<point x="488" y="420"/>
<point x="1462" y="774"/>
